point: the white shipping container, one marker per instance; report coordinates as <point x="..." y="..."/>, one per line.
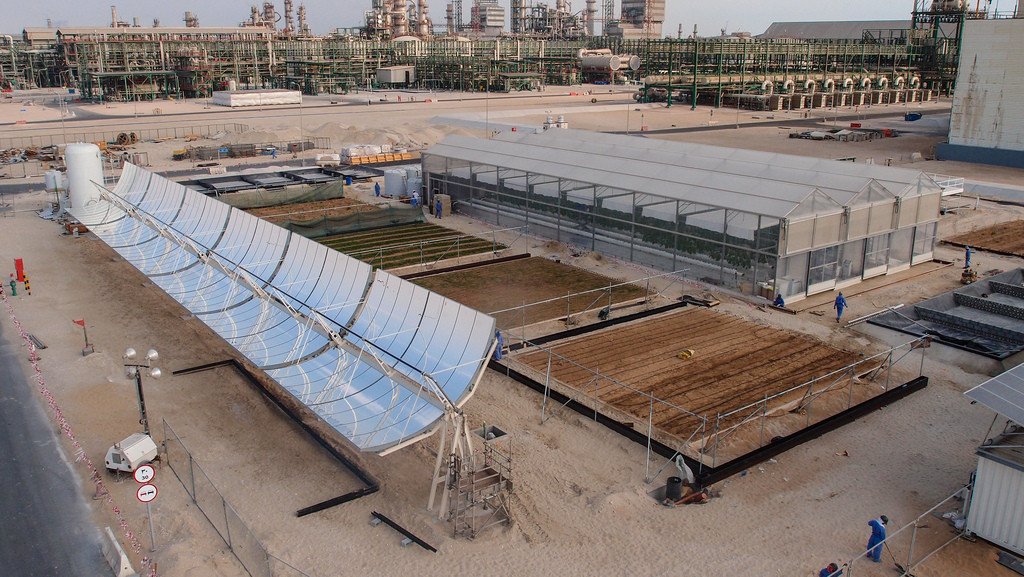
<point x="997" y="504"/>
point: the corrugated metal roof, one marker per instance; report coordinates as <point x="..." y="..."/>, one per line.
<point x="1003" y="394"/>
<point x="763" y="183"/>
<point x="852" y="30"/>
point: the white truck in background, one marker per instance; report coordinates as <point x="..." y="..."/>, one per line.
<point x="128" y="455"/>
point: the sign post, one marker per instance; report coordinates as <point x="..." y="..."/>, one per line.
<point x="146" y="493"/>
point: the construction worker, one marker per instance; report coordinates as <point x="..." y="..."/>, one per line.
<point x="437" y="208"/>
<point x="967" y="256"/>
<point x="500" y="345"/>
<point x="376" y="189"/>
<point x="779" y="302"/>
<point x="839" y="305"/>
<point x="832" y="570"/>
<point x="877" y="537"/>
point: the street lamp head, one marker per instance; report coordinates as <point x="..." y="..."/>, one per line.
<point x="155" y="372"/>
<point x="152" y="355"/>
<point x="129" y="353"/>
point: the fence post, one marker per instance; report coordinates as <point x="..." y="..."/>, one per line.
<point x="568" y="309"/>
<point x="888" y="369"/>
<point x="597" y="383"/>
<point x="921" y="371"/>
<point x="910" y="551"/>
<point x="849" y="400"/>
<point x="764" y="417"/>
<point x="192" y="476"/>
<point x="547" y="389"/>
<point x="810" y="401"/>
<point x="714" y="453"/>
<point x="227" y="522"/>
<point x="650" y="428"/>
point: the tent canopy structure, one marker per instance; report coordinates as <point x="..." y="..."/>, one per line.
<point x="380" y="359"/>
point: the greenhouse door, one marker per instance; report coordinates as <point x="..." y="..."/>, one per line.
<point x="822" y="270"/>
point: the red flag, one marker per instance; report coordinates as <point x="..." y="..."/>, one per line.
<point x="79" y="321"/>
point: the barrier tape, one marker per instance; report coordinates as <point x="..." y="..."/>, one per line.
<point x="80" y="454"/>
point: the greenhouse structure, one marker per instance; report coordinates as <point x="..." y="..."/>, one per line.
<point x="758" y="222"/>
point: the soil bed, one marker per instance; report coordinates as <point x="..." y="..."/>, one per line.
<point x="734" y="363"/>
<point x="506" y="285"/>
<point x="1006" y="238"/>
<point x="311" y="210"/>
<point x="398" y="246"/>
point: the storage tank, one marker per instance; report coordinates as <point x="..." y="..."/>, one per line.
<point x="394" y="183"/>
<point x="414" y="179"/>
<point x="84" y="168"/>
<point x="54" y="180"/>
<point x="630" y="61"/>
<point x="602" y="62"/>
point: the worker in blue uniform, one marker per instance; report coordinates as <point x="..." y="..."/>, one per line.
<point x="499" y="346"/>
<point x="877" y="537"/>
<point x="779" y="302"/>
<point x="967" y="257"/>
<point x="839" y="305"/>
<point x="832" y="570"/>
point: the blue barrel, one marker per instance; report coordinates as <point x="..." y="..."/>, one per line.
<point x="348" y="181"/>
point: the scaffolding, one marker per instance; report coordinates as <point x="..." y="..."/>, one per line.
<point x="480" y="492"/>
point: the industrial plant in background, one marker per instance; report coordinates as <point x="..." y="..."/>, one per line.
<point x="545" y="44"/>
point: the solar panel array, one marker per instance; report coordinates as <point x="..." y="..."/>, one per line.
<point x="1003" y="393"/>
<point x="377" y="357"/>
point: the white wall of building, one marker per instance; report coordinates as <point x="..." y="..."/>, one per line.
<point x="988" y="103"/>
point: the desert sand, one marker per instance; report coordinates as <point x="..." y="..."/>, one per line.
<point x="581" y="505"/>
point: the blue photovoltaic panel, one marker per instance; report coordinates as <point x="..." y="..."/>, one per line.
<point x="283" y="301"/>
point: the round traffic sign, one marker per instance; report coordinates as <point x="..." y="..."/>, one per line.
<point x="146" y="493"/>
<point x="145" y="473"/>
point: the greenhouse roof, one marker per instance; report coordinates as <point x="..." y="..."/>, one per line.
<point x="771" y="184"/>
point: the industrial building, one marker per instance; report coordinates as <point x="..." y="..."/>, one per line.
<point x="987" y="121"/>
<point x="761" y="223"/>
<point x="828" y="64"/>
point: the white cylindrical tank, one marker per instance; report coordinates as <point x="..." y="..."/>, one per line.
<point x="630" y="61"/>
<point x="84" y="168"/>
<point x="232" y="85"/>
<point x="601" y="62"/>
<point x="394" y="182"/>
<point x="54" y="180"/>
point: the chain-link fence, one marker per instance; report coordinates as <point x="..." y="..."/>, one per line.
<point x="236" y="534"/>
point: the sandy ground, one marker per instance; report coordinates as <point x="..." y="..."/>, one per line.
<point x="581" y="504"/>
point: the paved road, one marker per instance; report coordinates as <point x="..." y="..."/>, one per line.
<point x="46" y="531"/>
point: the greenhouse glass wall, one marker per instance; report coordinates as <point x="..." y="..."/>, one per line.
<point x="751" y="221"/>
